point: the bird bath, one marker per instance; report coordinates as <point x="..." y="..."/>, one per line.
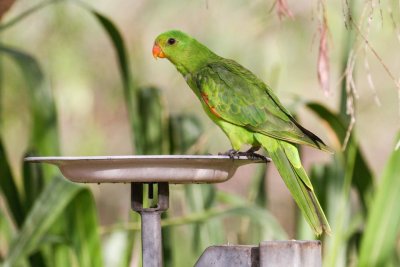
<point x="158" y="171"/>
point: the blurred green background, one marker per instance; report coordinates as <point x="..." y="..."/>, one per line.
<point x="78" y="78"/>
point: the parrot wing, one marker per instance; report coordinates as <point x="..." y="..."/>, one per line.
<point x="237" y="96"/>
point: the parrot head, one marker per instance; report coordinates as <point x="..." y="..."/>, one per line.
<point x="185" y="52"/>
<point x="171" y="44"/>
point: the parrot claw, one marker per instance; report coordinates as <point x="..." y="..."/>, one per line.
<point x="232" y="153"/>
<point x="255" y="156"/>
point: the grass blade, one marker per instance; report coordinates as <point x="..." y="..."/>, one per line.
<point x="6" y="232"/>
<point x="362" y="176"/>
<point x="123" y="63"/>
<point x="130" y="93"/>
<point x="333" y="120"/>
<point x="82" y="226"/>
<point x="44" y="136"/>
<point x="257" y="193"/>
<point x="184" y="132"/>
<point x="153" y="125"/>
<point x="9" y="189"/>
<point x="33" y="182"/>
<point x="383" y="223"/>
<point x="48" y="207"/>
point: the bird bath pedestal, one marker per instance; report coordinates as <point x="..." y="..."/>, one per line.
<point x="158" y="172"/>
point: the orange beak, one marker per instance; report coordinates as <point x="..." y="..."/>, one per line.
<point x="157" y="52"/>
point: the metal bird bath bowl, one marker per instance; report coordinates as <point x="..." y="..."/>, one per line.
<point x="159" y="171"/>
<point x="177" y="169"/>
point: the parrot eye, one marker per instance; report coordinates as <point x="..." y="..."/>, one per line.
<point x="171" y="41"/>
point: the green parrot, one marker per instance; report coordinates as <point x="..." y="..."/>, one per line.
<point x="248" y="112"/>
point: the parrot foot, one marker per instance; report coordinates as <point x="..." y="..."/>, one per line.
<point x="250" y="154"/>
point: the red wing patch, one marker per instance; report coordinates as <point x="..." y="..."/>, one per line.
<point x="206" y="100"/>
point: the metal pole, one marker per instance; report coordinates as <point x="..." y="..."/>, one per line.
<point x="151" y="239"/>
<point x="151" y="221"/>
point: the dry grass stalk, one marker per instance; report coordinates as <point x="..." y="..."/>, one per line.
<point x="282" y="9"/>
<point x="375" y="53"/>
<point x="346" y="13"/>
<point x="351" y="93"/>
<point x="323" y="57"/>
<point x="351" y="90"/>
<point x="366" y="63"/>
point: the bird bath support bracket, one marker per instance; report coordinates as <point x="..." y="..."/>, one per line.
<point x="150" y="220"/>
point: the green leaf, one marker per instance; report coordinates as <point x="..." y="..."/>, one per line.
<point x="9" y="189"/>
<point x="82" y="229"/>
<point x="61" y="255"/>
<point x="333" y="186"/>
<point x="44" y="135"/>
<point x="257" y="193"/>
<point x="119" y="47"/>
<point x="362" y="176"/>
<point x="184" y="132"/>
<point x="199" y="199"/>
<point x="383" y="223"/>
<point x="332" y="189"/>
<point x="168" y="245"/>
<point x="33" y="182"/>
<point x="334" y="121"/>
<point x="123" y="63"/>
<point x="57" y="195"/>
<point x="153" y="125"/>
<point x="6" y="231"/>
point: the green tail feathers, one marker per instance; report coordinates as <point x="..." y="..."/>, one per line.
<point x="287" y="160"/>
